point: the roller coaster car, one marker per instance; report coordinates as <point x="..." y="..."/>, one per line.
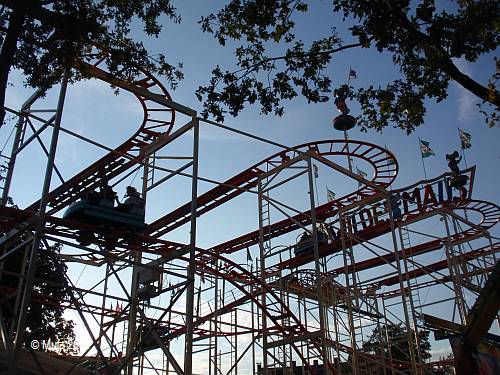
<point x="306" y="245"/>
<point x="116" y="217"/>
<point x="148" y="340"/>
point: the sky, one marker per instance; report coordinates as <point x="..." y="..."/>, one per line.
<point x="93" y="110"/>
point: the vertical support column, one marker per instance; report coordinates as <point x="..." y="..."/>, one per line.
<point x="381" y="343"/>
<point x="188" y="352"/>
<point x="19" y="293"/>
<point x="40" y="225"/>
<point x="103" y="307"/>
<point x="137" y="259"/>
<point x="317" y="267"/>
<point x="410" y="297"/>
<point x="213" y="356"/>
<point x="349" y="161"/>
<point x="336" y="328"/>
<point x="409" y="334"/>
<point x="263" y="280"/>
<point x="386" y="324"/>
<point x="252" y="311"/>
<point x="132" y="319"/>
<point x="235" y="342"/>
<point x="343" y="230"/>
<point x="455" y="279"/>
<point x="15" y="145"/>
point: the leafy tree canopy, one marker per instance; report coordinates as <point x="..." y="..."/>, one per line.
<point x="42" y="38"/>
<point x="392" y="339"/>
<point x="422" y="40"/>
<point x="45" y="320"/>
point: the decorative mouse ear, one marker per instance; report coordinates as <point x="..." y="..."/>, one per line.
<point x="455" y="154"/>
<point x="448" y="156"/>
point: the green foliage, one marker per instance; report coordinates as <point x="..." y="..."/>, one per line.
<point x="422" y="40"/>
<point x="56" y="33"/>
<point x="445" y="369"/>
<point x="392" y="340"/>
<point x="50" y="292"/>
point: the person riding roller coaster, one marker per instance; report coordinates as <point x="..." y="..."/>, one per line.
<point x="133" y="203"/>
<point x="305" y="244"/>
<point x="107" y="196"/>
<point x="104" y="210"/>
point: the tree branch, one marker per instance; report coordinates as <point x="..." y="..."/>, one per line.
<point x="319" y="53"/>
<point x="8" y="50"/>
<point x="447" y="65"/>
<point x="58" y="21"/>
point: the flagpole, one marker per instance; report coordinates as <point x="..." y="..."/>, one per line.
<point x="462" y="148"/>
<point x="421" y="156"/>
<point x="388" y="165"/>
<point x="349" y="161"/>
<point x="316" y="186"/>
<point x="465" y="161"/>
<point x="345" y="131"/>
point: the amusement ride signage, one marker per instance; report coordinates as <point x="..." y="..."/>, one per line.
<point x="414" y="200"/>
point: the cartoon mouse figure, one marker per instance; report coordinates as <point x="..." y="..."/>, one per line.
<point x="453" y="162"/>
<point x="458" y="181"/>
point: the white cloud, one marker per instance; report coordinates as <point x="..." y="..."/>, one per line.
<point x="466" y="101"/>
<point x="439" y="353"/>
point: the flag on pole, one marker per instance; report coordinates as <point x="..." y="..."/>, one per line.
<point x="465" y="139"/>
<point x="315" y="168"/>
<point x="425" y="149"/>
<point x="391" y="160"/>
<point x="330" y="195"/>
<point x="362" y="174"/>
<point x="352" y="74"/>
<point x="249" y="256"/>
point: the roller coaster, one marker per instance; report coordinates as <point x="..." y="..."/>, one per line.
<point x="363" y="264"/>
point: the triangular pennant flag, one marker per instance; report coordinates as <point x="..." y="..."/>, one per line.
<point x="249" y="256"/>
<point x="330" y="195"/>
<point x="362" y="174"/>
<point x="425" y="149"/>
<point x="465" y="139"/>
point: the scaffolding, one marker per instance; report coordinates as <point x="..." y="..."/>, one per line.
<point x="347" y="298"/>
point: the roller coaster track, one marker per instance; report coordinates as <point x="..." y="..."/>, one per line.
<point x="438" y="266"/>
<point x="489" y="216"/>
<point x="379" y="158"/>
<point x="158" y="121"/>
<point x="291" y="334"/>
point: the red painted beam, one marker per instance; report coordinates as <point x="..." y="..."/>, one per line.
<point x="205" y="202"/>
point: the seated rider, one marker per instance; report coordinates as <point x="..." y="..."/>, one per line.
<point x="91" y="197"/>
<point x="305" y="236"/>
<point x="394" y="203"/>
<point x="107" y="196"/>
<point x="133" y="202"/>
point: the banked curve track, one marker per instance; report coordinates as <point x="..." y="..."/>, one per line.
<point x="382" y="161"/>
<point x="157" y="121"/>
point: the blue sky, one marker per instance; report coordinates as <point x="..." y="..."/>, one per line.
<point x="92" y="110"/>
